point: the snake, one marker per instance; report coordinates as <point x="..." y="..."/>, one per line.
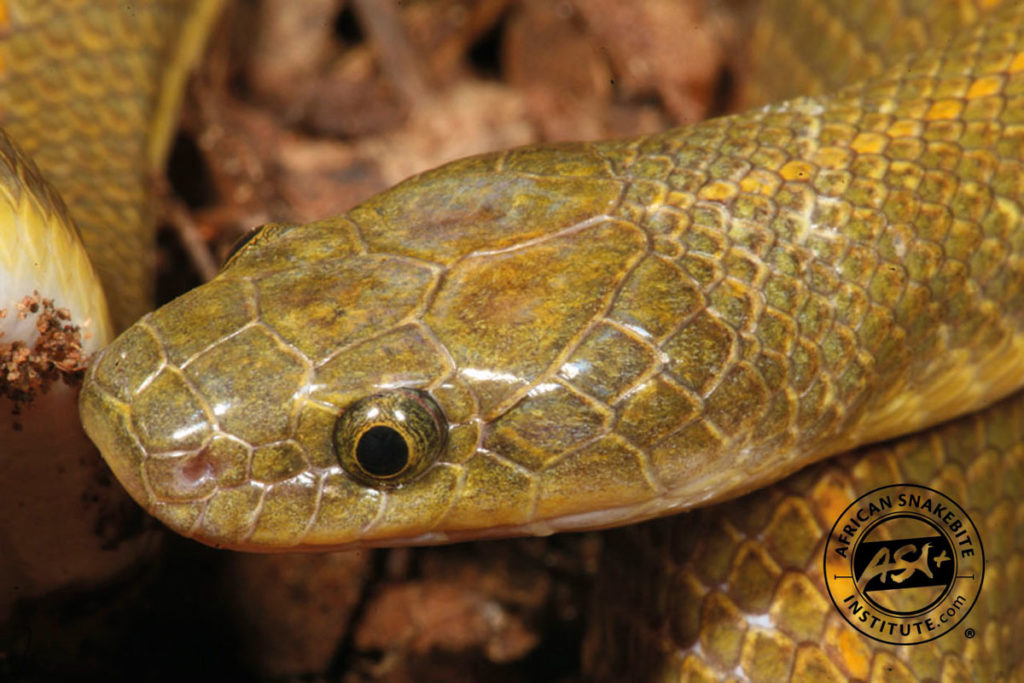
<point x="590" y="335"/>
<point x="89" y="94"/>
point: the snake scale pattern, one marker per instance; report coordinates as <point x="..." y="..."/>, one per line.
<point x="587" y="335"/>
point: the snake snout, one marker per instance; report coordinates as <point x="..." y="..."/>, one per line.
<point x="220" y="414"/>
<point x="150" y="428"/>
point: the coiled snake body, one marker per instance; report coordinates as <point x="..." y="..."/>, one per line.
<point x="580" y="336"/>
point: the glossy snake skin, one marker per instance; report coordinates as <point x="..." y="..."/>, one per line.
<point x="581" y="336"/>
<point x="88" y="92"/>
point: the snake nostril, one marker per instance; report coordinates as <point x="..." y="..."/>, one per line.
<point x="198" y="468"/>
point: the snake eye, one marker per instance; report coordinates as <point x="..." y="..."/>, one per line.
<point x="390" y="438"/>
<point x="239" y="245"/>
<point x="253" y="237"/>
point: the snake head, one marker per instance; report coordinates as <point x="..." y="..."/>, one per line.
<point x="432" y="366"/>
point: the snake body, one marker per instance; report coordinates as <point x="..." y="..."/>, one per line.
<point x="586" y="335"/>
<point x="89" y="92"/>
<point x="611" y="331"/>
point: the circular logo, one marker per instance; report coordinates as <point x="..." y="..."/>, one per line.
<point x="904" y="564"/>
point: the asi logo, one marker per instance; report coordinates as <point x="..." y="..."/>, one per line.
<point x="904" y="564"/>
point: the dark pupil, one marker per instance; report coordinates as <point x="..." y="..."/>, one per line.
<point x="382" y="451"/>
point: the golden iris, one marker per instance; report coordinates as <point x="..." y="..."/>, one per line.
<point x="390" y="438"/>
